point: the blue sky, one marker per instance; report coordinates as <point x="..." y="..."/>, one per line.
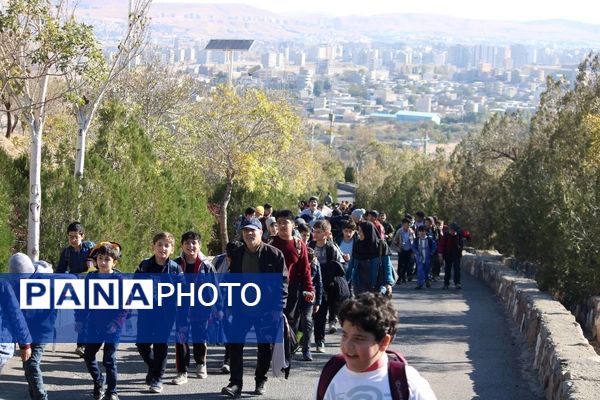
<point x="518" y="10"/>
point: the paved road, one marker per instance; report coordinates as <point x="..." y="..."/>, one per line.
<point x="459" y="340"/>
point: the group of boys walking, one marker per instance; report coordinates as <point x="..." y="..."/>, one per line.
<point x="311" y="253"/>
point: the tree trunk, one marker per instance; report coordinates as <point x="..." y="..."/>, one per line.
<point x="83" y="123"/>
<point x="223" y="212"/>
<point x="35" y="172"/>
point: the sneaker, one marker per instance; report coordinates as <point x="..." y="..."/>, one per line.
<point x="306" y="356"/>
<point x="232" y="390"/>
<point x="419" y="287"/>
<point x="457" y="286"/>
<point x="260" y="388"/>
<point x="320" y="348"/>
<point x="156" y="386"/>
<point x="180" y="379"/>
<point x="332" y="328"/>
<point x="110" y="396"/>
<point x="98" y="386"/>
<point x="428" y="283"/>
<point x="80" y="350"/>
<point x="201" y="371"/>
<point x="225" y="368"/>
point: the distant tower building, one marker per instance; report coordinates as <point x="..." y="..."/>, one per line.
<point x="269" y="60"/>
<point x="459" y="56"/>
<point x="502" y="54"/>
<point x="519" y="55"/>
<point x="404" y="57"/>
<point x="424" y="103"/>
<point x="484" y="54"/>
<point x="323" y="67"/>
<point x="305" y="80"/>
<point x="373" y="61"/>
<point x="440" y="58"/>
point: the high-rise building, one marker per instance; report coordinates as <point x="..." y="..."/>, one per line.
<point x="460" y="55"/>
<point x="269" y="59"/>
<point x="519" y="55"/>
<point x="324" y="67"/>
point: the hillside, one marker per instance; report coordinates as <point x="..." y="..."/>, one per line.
<point x="237" y="20"/>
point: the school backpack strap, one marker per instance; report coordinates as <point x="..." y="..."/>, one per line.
<point x="330" y="369"/>
<point x="397" y="376"/>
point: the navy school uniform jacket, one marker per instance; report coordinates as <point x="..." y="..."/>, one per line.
<point x="72" y="261"/>
<point x="12" y="321"/>
<point x="99" y="320"/>
<point x="168" y="313"/>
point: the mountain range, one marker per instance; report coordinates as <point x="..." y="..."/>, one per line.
<point x="243" y="21"/>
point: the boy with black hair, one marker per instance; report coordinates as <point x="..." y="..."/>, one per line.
<point x="332" y="267"/>
<point x="349" y="238"/>
<point x="424" y="248"/>
<point x="365" y="363"/>
<point x="312" y="213"/>
<point x="103" y="326"/>
<point x="450" y="251"/>
<point x="304" y="231"/>
<point x="74" y="260"/>
<point x="192" y="262"/>
<point x="152" y="337"/>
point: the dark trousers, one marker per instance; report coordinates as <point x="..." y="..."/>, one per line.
<point x="243" y="324"/>
<point x="155" y="357"/>
<point x="320" y="318"/>
<point x="436" y="266"/>
<point x="305" y="323"/>
<point x="293" y="305"/>
<point x="404" y="265"/>
<point x="33" y="373"/>
<point x="320" y="321"/>
<point x="109" y="361"/>
<point x="452" y="266"/>
<point x="199" y="339"/>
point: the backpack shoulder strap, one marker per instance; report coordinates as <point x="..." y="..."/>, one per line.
<point x="397" y="376"/>
<point x="298" y="245"/>
<point x="329" y="254"/>
<point x="330" y="369"/>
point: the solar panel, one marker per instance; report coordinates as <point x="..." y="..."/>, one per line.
<point x="226" y="44"/>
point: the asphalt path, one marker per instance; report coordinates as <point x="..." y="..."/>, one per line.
<point x="460" y="341"/>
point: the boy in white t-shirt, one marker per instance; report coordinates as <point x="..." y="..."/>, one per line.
<point x="364" y="368"/>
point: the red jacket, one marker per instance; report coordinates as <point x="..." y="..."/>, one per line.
<point x="296" y="259"/>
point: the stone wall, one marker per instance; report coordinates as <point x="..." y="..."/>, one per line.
<point x="566" y="364"/>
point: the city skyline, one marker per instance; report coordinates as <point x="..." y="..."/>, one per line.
<point x="510" y="10"/>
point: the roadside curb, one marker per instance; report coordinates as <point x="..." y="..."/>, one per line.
<point x="567" y="366"/>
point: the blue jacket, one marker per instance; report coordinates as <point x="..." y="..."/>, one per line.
<point x="74" y="262"/>
<point x="40" y="322"/>
<point x="13" y="327"/>
<point x="100" y="320"/>
<point x="172" y="273"/>
<point x="352" y="274"/>
<point x="432" y="250"/>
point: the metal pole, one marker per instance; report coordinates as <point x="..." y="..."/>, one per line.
<point x="230" y="55"/>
